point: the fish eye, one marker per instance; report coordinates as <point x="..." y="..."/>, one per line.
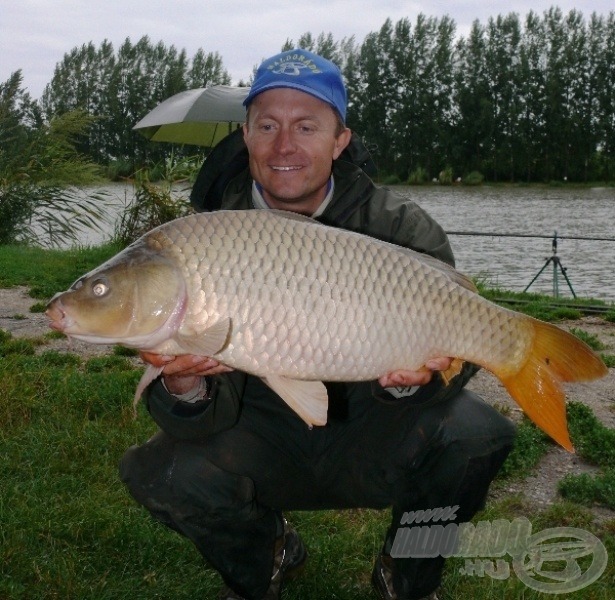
<point x="99" y="288"/>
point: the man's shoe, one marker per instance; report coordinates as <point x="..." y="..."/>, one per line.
<point x="288" y="563"/>
<point x="382" y="580"/>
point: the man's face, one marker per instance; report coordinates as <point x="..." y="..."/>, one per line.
<point x="292" y="138"/>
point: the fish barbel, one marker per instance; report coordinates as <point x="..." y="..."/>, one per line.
<point x="295" y="302"/>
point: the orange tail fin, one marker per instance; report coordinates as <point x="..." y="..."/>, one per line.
<point x="555" y="356"/>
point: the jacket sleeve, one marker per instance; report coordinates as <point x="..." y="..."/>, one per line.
<point x="196" y="421"/>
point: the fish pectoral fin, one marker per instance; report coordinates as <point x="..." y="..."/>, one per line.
<point x="148" y="376"/>
<point x="308" y="399"/>
<point x="210" y="342"/>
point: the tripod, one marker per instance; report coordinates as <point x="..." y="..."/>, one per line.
<point x="557" y="264"/>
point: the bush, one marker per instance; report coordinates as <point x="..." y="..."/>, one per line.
<point x="473" y="178"/>
<point x="418" y="176"/>
<point x="391" y="180"/>
<point x="446" y="176"/>
<point x="45" y="215"/>
<point x="119" y="169"/>
<point x="153" y="205"/>
<point x="16" y="210"/>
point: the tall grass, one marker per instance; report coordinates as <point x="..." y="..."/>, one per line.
<point x="48" y="216"/>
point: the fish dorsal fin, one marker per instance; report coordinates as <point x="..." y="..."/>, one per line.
<point x="452" y="273"/>
<point x="209" y="342"/>
<point x="308" y="399"/>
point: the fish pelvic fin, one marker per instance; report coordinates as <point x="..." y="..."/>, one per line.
<point x="148" y="376"/>
<point x="555" y="356"/>
<point x="309" y="399"/>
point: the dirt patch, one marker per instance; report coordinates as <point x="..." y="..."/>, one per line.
<point x="15" y="317"/>
<point x="539" y="489"/>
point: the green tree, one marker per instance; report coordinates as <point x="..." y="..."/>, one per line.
<point x="20" y="117"/>
<point x="119" y="88"/>
<point x="374" y="102"/>
<point x="206" y="70"/>
<point x="605" y="98"/>
<point x="422" y="60"/>
<point x="472" y="99"/>
<point x="502" y="68"/>
<point x="530" y="135"/>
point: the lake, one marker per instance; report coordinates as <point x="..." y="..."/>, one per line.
<point x="507" y="262"/>
<point x="512" y="262"/>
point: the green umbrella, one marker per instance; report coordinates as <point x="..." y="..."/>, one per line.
<point x="202" y="116"/>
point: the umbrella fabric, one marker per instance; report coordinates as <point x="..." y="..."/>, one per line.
<point x="201" y="116"/>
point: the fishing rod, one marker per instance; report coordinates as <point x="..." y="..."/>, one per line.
<point x="558" y="267"/>
<point x="531" y="235"/>
<point x="586" y="309"/>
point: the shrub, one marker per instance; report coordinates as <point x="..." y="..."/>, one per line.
<point x="119" y="169"/>
<point x="391" y="180"/>
<point x="418" y="176"/>
<point x="153" y="205"/>
<point x="46" y="215"/>
<point x="473" y="178"/>
<point x="446" y="176"/>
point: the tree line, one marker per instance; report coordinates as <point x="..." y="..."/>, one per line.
<point x="529" y="99"/>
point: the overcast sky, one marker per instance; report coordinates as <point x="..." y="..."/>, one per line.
<point x="35" y="34"/>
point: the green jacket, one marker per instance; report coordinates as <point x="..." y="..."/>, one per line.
<point x="357" y="205"/>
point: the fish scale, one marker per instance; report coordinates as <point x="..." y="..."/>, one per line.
<point x="296" y="302"/>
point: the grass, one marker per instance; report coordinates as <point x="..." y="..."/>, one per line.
<point x="596" y="444"/>
<point x="544" y="307"/>
<point x="46" y="272"/>
<point x="69" y="529"/>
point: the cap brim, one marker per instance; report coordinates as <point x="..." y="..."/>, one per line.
<point x="292" y="86"/>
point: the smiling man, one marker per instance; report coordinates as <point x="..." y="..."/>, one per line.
<point x="292" y="137"/>
<point x="231" y="456"/>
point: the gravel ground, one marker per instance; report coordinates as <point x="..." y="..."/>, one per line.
<point x="539" y="489"/>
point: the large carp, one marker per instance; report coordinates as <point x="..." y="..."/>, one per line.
<point x="296" y="302"/>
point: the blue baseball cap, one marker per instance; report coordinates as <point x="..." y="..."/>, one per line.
<point x="304" y="71"/>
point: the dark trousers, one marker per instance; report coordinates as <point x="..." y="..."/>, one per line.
<point x="226" y="494"/>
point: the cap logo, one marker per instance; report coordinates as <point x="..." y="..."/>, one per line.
<point x="293" y="68"/>
<point x="293" y="65"/>
<point x="304" y="71"/>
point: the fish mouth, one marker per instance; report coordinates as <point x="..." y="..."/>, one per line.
<point x="58" y="319"/>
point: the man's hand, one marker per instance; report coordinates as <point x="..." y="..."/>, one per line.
<point x="182" y="373"/>
<point x="423" y="376"/>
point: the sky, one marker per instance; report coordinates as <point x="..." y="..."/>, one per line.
<point x="35" y="34"/>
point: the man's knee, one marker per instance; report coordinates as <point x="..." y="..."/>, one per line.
<point x="469" y="420"/>
<point x="177" y="478"/>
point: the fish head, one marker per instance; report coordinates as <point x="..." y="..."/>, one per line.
<point x="137" y="299"/>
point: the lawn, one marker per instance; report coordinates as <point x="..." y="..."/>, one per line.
<point x="69" y="529"/>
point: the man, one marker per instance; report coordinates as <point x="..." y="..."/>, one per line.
<point x="231" y="456"/>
